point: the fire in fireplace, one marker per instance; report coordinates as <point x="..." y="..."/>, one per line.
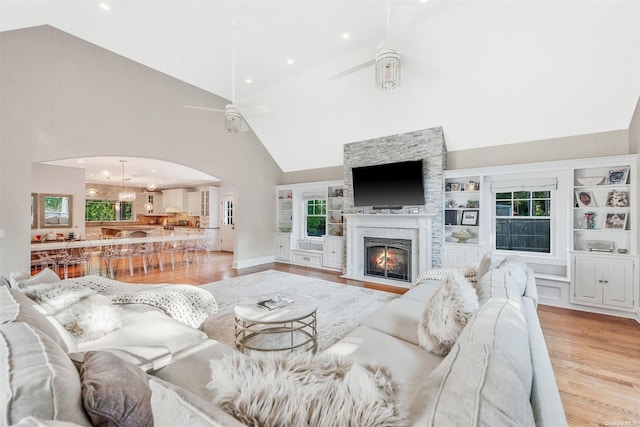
<point x="388" y="258"/>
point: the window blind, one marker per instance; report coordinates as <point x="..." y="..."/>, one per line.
<point x="538" y="184"/>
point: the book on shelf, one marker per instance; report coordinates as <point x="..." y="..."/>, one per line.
<point x="274" y="302"/>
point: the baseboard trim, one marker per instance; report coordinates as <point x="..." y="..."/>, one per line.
<point x="252" y="262"/>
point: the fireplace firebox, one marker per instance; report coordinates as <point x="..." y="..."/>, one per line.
<point x="387" y="258"/>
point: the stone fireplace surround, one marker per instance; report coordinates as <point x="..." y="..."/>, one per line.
<point x="414" y="227"/>
<point x="427" y="145"/>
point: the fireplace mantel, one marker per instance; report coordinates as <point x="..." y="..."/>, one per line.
<point x="414" y="227"/>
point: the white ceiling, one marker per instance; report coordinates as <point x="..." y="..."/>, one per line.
<point x="493" y="72"/>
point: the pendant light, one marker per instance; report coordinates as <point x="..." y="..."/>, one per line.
<point x="124" y="195"/>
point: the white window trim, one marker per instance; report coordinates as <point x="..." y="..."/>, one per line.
<point x="306" y="197"/>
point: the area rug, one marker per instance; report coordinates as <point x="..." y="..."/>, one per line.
<point x="340" y="307"/>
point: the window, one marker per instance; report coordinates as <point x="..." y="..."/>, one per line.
<point x="523" y="221"/>
<point x="108" y="210"/>
<point x="227" y="212"/>
<point x="315" y="217"/>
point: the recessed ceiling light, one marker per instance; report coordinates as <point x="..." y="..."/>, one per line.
<point x="346" y="36"/>
<point x="80" y="161"/>
<point x="104" y="6"/>
<point x="290" y="61"/>
<point x="423" y="1"/>
<point x="249" y="81"/>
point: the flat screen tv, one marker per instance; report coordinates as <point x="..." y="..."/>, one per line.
<point x="389" y="185"/>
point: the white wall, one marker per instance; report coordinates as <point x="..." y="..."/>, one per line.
<point x="61" y="97"/>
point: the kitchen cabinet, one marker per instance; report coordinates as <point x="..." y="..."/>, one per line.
<point x="174" y="198"/>
<point x="606" y="281"/>
<point x="193" y="203"/>
<point x="209" y="207"/>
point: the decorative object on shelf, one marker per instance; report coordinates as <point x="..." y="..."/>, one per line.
<point x="462" y="235"/>
<point x="617" y="176"/>
<point x="452" y="203"/>
<point x="616" y="220"/>
<point x="472" y="204"/>
<point x="599" y="245"/>
<point x="590" y="180"/>
<point x="469" y="218"/>
<point x="455" y="186"/>
<point x="338" y="192"/>
<point x="617" y="199"/>
<point x="585" y="199"/>
<point x="590" y="217"/>
<point x="450" y="217"/>
<point x="471" y="186"/>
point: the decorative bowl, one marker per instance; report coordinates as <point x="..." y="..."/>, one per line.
<point x="590" y="180"/>
<point x="462" y="235"/>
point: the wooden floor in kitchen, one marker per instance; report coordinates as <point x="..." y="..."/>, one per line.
<point x="596" y="358"/>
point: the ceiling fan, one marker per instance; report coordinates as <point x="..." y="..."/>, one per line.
<point x="388" y="60"/>
<point x="233" y="120"/>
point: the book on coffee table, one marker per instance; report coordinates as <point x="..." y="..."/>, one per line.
<point x="275" y="302"/>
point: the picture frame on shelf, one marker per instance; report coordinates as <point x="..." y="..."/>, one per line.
<point x="616" y="220"/>
<point x="585" y="199"/>
<point x="469" y="218"/>
<point x="617" y="199"/>
<point x="471" y="186"/>
<point x="617" y="176"/>
<point x="450" y="217"/>
<point x="456" y="186"/>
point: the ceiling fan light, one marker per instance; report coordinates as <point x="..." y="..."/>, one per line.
<point x="232" y="119"/>
<point x="387" y="69"/>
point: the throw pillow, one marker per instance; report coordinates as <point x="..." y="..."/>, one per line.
<point x="303" y="389"/>
<point x="486" y="263"/>
<point x="79" y="309"/>
<point x="9" y="307"/>
<point x="23" y="280"/>
<point x="115" y="392"/>
<point x="447" y="313"/>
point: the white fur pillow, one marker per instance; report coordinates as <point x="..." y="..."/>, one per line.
<point x="302" y="389"/>
<point x="447" y="313"/>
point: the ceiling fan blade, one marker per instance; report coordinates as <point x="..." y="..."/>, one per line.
<point x="247" y="110"/>
<point x="196" y="107"/>
<point x="401" y="20"/>
<point x="420" y="69"/>
<point x="353" y="69"/>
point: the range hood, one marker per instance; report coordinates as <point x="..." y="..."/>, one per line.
<point x="172" y="209"/>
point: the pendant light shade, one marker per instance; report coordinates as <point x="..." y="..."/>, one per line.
<point x="232" y="119"/>
<point x="387" y="69"/>
<point x="124" y="195"/>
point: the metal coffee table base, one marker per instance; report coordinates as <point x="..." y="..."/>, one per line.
<point x="302" y="334"/>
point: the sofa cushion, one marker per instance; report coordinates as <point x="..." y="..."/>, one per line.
<point x="34" y="315"/>
<point x="423" y="291"/>
<point x="115" y="392"/>
<point x="147" y="328"/>
<point x="9" y="307"/>
<point x="518" y="270"/>
<point x="24" y="280"/>
<point x="175" y="406"/>
<point x="38" y="422"/>
<point x="410" y="366"/>
<point x="487" y="263"/>
<point x="498" y="283"/>
<point x="475" y="386"/>
<point x="37" y="378"/>
<point x="447" y="313"/>
<point x="399" y="318"/>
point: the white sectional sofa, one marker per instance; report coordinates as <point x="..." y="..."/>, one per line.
<point x="497" y="373"/>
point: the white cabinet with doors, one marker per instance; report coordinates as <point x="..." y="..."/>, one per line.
<point x="453" y="254"/>
<point x="282" y="246"/>
<point x="193" y="203"/>
<point x="332" y="252"/>
<point x="605" y="281"/>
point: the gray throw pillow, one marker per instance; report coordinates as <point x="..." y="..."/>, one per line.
<point x="114" y="391"/>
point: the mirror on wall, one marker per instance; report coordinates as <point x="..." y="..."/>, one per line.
<point x="56" y="210"/>
<point x="34" y="210"/>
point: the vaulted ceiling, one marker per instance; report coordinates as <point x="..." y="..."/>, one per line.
<point x="489" y="72"/>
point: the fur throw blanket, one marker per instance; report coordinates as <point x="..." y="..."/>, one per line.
<point x="303" y="389"/>
<point x="79" y="309"/>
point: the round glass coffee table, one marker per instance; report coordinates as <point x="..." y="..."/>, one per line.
<point x="289" y="326"/>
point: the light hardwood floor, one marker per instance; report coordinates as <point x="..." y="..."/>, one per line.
<point x="596" y="358"/>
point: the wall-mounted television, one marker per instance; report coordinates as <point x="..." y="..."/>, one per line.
<point x="389" y="185"/>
